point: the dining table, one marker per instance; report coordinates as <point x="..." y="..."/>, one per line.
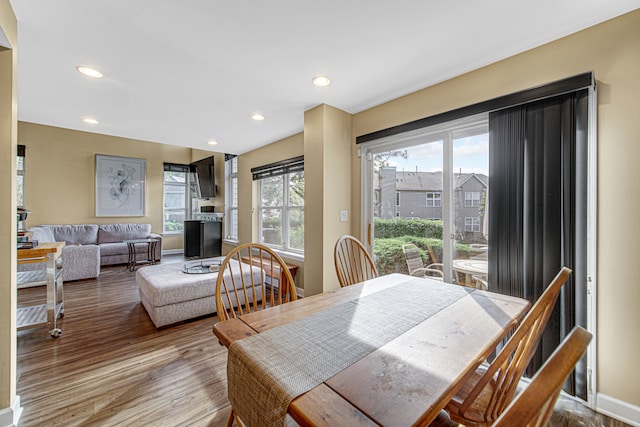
<point x="389" y="351"/>
<point x="465" y="269"/>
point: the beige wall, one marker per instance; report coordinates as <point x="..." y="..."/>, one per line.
<point x="287" y="148"/>
<point x="8" y="128"/>
<point x="327" y="174"/>
<point x="612" y="51"/>
<point x="60" y="175"/>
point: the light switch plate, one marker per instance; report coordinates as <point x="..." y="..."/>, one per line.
<point x="344" y="215"/>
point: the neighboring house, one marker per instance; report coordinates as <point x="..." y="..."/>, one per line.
<point x="402" y="194"/>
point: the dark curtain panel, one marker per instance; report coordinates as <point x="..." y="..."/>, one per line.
<point x="506" y="177"/>
<point x="537" y="220"/>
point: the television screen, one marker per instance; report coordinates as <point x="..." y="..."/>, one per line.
<point x="205" y="177"/>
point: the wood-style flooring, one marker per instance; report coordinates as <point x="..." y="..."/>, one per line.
<point x="112" y="367"/>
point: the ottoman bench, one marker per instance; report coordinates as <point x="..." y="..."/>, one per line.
<point x="170" y="296"/>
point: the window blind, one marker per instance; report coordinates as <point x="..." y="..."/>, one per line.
<point x="295" y="164"/>
<point x="175" y="167"/>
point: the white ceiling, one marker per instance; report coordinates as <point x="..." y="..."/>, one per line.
<point x="184" y="72"/>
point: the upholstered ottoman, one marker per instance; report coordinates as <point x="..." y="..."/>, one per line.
<point x="171" y="296"/>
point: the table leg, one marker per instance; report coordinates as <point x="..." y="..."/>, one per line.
<point x="55" y="295"/>
<point x="131" y="249"/>
<point x="151" y="252"/>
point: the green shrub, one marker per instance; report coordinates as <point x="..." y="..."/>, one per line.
<point x="389" y="228"/>
<point x="389" y="257"/>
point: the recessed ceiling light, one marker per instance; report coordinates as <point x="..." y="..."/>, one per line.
<point x="90" y="121"/>
<point x="88" y="71"/>
<point x="321" y="81"/>
<point x="257" y="117"/>
<point x="212" y="142"/>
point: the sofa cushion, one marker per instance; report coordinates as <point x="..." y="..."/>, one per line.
<point x="42" y="234"/>
<point x="112" y="233"/>
<point x="76" y="234"/>
<point x="108" y="249"/>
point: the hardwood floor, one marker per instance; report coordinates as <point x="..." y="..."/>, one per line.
<point x="111" y="366"/>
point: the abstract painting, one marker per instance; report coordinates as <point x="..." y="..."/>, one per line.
<point x="120" y="186"/>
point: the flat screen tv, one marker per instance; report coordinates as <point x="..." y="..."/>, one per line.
<point x="205" y="177"/>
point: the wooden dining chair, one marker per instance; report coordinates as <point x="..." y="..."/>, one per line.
<point x="486" y="394"/>
<point x="352" y="261"/>
<point x="415" y="265"/>
<point x="534" y="405"/>
<point x="241" y="287"/>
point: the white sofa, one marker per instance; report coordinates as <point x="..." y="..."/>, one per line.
<point x="89" y="246"/>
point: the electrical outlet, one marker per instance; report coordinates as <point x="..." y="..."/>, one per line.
<point x="344" y="215"/>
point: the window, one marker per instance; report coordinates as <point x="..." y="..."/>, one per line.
<point x="231" y="173"/>
<point x="281" y="204"/>
<point x="397" y="198"/>
<point x="434" y="200"/>
<point x="472" y="224"/>
<point x="472" y="199"/>
<point x="177" y="195"/>
<point x="20" y="178"/>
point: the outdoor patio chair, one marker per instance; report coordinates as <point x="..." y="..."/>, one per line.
<point x="416" y="266"/>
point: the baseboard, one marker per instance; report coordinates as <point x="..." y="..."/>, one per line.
<point x="172" y="251"/>
<point x="618" y="409"/>
<point x="9" y="417"/>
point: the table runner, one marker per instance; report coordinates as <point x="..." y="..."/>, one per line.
<point x="267" y="371"/>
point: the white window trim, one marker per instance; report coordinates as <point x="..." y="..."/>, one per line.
<point x="186" y="203"/>
<point x="434" y="199"/>
<point x="470" y="201"/>
<point x="229" y="207"/>
<point x="473" y="222"/>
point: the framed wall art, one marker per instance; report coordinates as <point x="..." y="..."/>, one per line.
<point x="120" y="186"/>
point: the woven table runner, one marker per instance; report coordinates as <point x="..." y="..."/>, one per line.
<point x="267" y="371"/>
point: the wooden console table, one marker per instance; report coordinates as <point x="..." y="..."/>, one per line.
<point x="44" y="314"/>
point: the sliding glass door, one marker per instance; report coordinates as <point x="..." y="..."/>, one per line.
<point x="429" y="189"/>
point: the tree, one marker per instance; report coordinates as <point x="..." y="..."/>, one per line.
<point x="381" y="161"/>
